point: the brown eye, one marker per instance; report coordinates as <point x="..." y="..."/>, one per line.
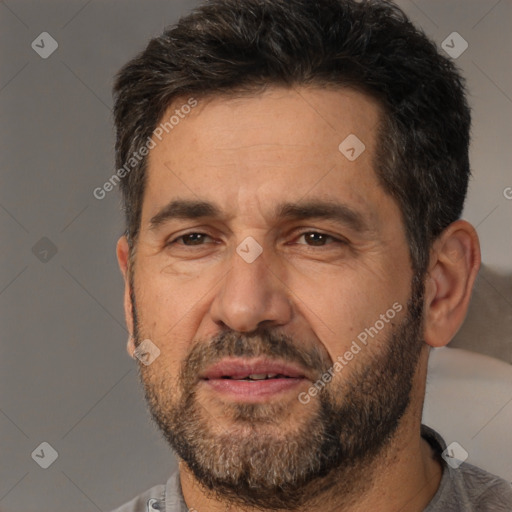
<point x="189" y="239"/>
<point x="316" y="239"/>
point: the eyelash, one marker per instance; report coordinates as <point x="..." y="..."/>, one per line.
<point x="181" y="237"/>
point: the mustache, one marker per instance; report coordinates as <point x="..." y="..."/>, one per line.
<point x="263" y="342"/>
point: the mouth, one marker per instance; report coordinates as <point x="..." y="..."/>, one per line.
<point x="253" y="380"/>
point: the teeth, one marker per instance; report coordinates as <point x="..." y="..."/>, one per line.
<point x="258" y="376"/>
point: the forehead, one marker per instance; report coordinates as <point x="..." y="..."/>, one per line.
<point x="282" y="144"/>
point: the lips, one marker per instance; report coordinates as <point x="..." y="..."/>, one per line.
<point x="253" y="380"/>
<point x="237" y="369"/>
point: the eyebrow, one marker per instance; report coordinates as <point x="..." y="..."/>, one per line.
<point x="318" y="209"/>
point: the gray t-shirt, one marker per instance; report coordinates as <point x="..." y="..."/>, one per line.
<point x="465" y="489"/>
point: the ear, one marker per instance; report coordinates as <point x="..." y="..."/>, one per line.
<point x="454" y="264"/>
<point x="123" y="258"/>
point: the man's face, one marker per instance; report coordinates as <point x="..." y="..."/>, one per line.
<point x="270" y="287"/>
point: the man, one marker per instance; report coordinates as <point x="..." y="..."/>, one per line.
<point x="293" y="175"/>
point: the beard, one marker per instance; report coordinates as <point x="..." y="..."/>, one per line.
<point x="254" y="460"/>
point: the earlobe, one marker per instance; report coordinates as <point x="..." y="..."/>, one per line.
<point x="454" y="265"/>
<point x="130" y="346"/>
<point x="123" y="258"/>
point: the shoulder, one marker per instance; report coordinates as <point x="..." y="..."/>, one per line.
<point x="485" y="491"/>
<point x="143" y="502"/>
<point x="465" y="487"/>
<point x="166" y="497"/>
<point x="471" y="489"/>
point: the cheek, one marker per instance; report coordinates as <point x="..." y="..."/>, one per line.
<point x="164" y="318"/>
<point x="164" y="301"/>
<point x="352" y="305"/>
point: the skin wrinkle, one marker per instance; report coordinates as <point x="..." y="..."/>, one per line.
<point x="272" y="107"/>
<point x="182" y="425"/>
<point x="200" y="302"/>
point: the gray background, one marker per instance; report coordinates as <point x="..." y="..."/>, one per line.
<point x="65" y="377"/>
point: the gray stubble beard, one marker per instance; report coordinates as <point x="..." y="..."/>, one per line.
<point x="336" y="443"/>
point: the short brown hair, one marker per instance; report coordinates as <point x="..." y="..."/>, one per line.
<point x="246" y="45"/>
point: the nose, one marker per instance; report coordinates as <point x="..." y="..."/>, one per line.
<point x="251" y="296"/>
